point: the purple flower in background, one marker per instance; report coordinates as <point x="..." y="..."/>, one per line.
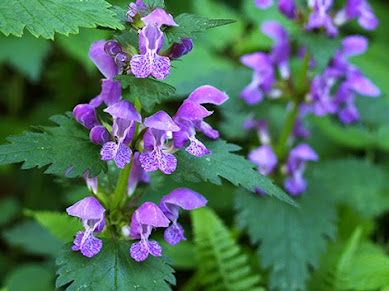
<point x="144" y="219"/>
<point x="111" y="91"/>
<point x="124" y="117"/>
<point x="137" y="175"/>
<point x="190" y="115"/>
<point x="295" y="167"/>
<point x="170" y="204"/>
<point x="299" y="130"/>
<point x="263" y="4"/>
<point x="91" y="183"/>
<point x="134" y="9"/>
<point x="265" y="158"/>
<point x="357" y="9"/>
<point x="281" y="49"/>
<point x="261" y="126"/>
<point x="150" y="43"/>
<point x="320" y="95"/>
<point x="85" y="114"/>
<point x="92" y="215"/>
<point x="155" y="157"/>
<point x="288" y="8"/>
<point x="263" y="77"/>
<point x="180" y="49"/>
<point x="320" y="18"/>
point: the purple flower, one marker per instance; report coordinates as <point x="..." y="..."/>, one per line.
<point x="263" y="77"/>
<point x="143" y="220"/>
<point x="137" y="175"/>
<point x="320" y="95"/>
<point x="299" y="130"/>
<point x="170" y="205"/>
<point x="180" y="49"/>
<point x="91" y="183"/>
<point x="261" y="126"/>
<point x="124" y="117"/>
<point x="320" y="18"/>
<point x="112" y="48"/>
<point x="288" y="8"/>
<point x="295" y="167"/>
<point x="190" y="115"/>
<point x="150" y="43"/>
<point x="134" y="9"/>
<point x="92" y="215"/>
<point x="281" y="49"/>
<point x="111" y="91"/>
<point x="156" y="157"/>
<point x="265" y="158"/>
<point x="99" y="135"/>
<point x="86" y="115"/>
<point x="263" y="4"/>
<point x="357" y="9"/>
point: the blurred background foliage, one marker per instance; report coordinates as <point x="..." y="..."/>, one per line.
<point x="41" y="78"/>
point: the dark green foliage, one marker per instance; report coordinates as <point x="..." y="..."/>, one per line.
<point x="190" y="24"/>
<point x="60" y="147"/>
<point x="223" y="162"/>
<point x="222" y="265"/>
<point x="149" y="91"/>
<point x="290" y="239"/>
<point x="44" y="18"/>
<point x="113" y="269"/>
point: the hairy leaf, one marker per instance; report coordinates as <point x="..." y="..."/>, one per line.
<point x="222" y="265"/>
<point x="149" y="91"/>
<point x="113" y="269"/>
<point x="61" y="147"/>
<point x="223" y="162"/>
<point x="291" y="239"/>
<point x="189" y="24"/>
<point x="59" y="224"/>
<point x="44" y="18"/>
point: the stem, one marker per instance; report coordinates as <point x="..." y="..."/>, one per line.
<point x="121" y="186"/>
<point x="287" y="131"/>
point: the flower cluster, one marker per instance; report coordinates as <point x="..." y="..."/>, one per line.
<point x="144" y="219"/>
<point x="331" y="92"/>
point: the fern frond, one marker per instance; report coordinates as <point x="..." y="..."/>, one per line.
<point x="222" y="264"/>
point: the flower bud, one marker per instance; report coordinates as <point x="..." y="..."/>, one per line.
<point x="112" y="47"/>
<point x="180" y="49"/>
<point x="99" y="135"/>
<point x="122" y="59"/>
<point x="86" y="115"/>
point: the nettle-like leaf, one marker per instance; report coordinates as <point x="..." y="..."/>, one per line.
<point x="223" y="162"/>
<point x="60" y="224"/>
<point x="290" y="239"/>
<point x="113" y="269"/>
<point x="44" y="18"/>
<point x="356" y="183"/>
<point x="149" y="91"/>
<point x="222" y="265"/>
<point x="319" y="46"/>
<point x="60" y="147"/>
<point x="190" y="24"/>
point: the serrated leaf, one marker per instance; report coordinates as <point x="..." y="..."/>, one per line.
<point x="32" y="238"/>
<point x="61" y="147"/>
<point x="25" y="54"/>
<point x="112" y="269"/>
<point x="319" y="46"/>
<point x="44" y="18"/>
<point x="290" y="239"/>
<point x="149" y="91"/>
<point x="60" y="224"/>
<point x="223" y="162"/>
<point x="221" y="263"/>
<point x="190" y="24"/>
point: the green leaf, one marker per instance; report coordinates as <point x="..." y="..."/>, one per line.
<point x="357" y="183"/>
<point x="61" y="147"/>
<point x="154" y="3"/>
<point x="221" y="263"/>
<point x="60" y="224"/>
<point x="44" y="18"/>
<point x="112" y="269"/>
<point x="190" y="24"/>
<point x="290" y="239"/>
<point x="25" y="54"/>
<point x="226" y="164"/>
<point x="9" y="209"/>
<point x="149" y="91"/>
<point x="32" y="238"/>
<point x="30" y="277"/>
<point x="319" y="46"/>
